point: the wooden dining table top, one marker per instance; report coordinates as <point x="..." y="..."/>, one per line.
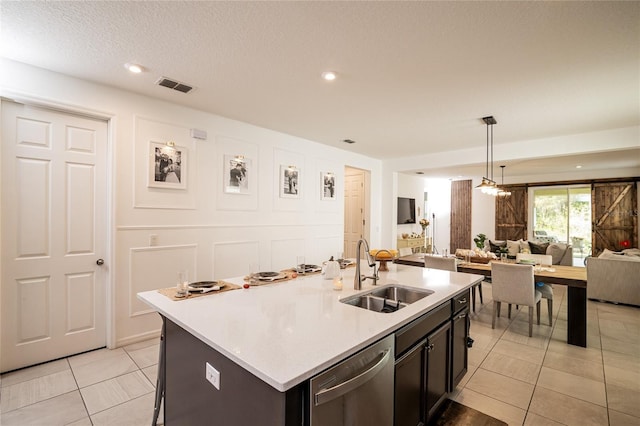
<point x="574" y="276"/>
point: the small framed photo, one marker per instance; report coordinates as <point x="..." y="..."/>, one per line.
<point x="167" y="166"/>
<point x="290" y="180"/>
<point x="237" y="174"/>
<point x="327" y="186"/>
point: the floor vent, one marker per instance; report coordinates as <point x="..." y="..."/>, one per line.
<point x="175" y="85"/>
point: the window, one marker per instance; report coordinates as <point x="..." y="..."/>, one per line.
<point x="563" y="214"/>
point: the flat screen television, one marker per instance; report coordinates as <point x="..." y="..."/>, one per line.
<point x="406" y="210"/>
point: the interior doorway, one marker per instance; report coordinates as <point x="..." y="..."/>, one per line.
<point x="54" y="234"/>
<point x="356" y="208"/>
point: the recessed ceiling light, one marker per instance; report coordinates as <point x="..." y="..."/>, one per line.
<point x="578" y="166"/>
<point x="134" y="68"/>
<point x="348" y="141"/>
<point x="329" y="75"/>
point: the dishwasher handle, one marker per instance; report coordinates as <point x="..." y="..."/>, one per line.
<point x="326" y="395"/>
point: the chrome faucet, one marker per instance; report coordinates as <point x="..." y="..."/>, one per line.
<point x="357" y="280"/>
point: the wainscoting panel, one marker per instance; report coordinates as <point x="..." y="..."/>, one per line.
<point x="284" y="253"/>
<point x="157" y="267"/>
<point x="231" y="259"/>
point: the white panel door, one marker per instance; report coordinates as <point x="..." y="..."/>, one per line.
<point x="53" y="233"/>
<point x="353" y="211"/>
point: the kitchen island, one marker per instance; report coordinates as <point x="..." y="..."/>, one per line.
<point x="268" y="341"/>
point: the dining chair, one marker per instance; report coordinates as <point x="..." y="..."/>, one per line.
<point x="444" y="263"/>
<point x="405" y="251"/>
<point x="450" y="264"/>
<point x="514" y="284"/>
<point x="545" y="289"/>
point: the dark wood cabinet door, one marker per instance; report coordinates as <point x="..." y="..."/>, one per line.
<point x="410" y="387"/>
<point x="460" y="332"/>
<point x="438" y="354"/>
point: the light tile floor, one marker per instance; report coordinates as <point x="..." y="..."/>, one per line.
<point x="540" y="380"/>
<point x="524" y="381"/>
<point x="102" y="387"/>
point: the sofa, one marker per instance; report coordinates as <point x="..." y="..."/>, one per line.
<point x="614" y="277"/>
<point x="561" y="254"/>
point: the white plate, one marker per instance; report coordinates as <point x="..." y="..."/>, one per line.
<point x="270" y="276"/>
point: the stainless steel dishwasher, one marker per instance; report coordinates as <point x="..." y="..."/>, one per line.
<point x="358" y="391"/>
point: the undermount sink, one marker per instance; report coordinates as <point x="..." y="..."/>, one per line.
<point x="388" y="298"/>
<point x="406" y="295"/>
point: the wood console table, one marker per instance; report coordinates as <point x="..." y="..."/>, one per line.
<point x="575" y="278"/>
<point x="417" y="244"/>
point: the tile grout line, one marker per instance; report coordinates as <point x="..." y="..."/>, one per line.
<point x="479" y="366"/>
<point x="604" y="371"/>
<point x="546" y="349"/>
<point x="84" y="404"/>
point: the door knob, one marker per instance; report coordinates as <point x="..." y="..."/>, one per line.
<point x="100" y="262"/>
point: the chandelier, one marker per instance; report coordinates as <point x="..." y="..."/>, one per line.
<point x="501" y="192"/>
<point x="488" y="185"/>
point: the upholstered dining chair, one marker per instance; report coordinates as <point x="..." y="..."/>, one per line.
<point x="404" y="251"/>
<point x="545" y="289"/>
<point x="450" y="264"/>
<point x="514" y="284"/>
<point x="444" y="263"/>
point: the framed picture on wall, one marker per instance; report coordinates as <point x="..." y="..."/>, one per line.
<point x="290" y="182"/>
<point x="327" y="186"/>
<point x="237" y="174"/>
<point x="167" y="166"/>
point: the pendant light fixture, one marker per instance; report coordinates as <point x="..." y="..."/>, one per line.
<point x="488" y="185"/>
<point x="501" y="191"/>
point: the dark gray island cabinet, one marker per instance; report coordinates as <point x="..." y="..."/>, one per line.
<point x="243" y="398"/>
<point x="430" y="359"/>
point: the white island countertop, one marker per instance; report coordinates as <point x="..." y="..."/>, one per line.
<point x="285" y="333"/>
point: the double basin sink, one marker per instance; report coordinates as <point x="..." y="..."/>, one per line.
<point x="388" y="298"/>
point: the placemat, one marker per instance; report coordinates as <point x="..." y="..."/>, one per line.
<point x="292" y="270"/>
<point x="288" y="275"/>
<point x="171" y="291"/>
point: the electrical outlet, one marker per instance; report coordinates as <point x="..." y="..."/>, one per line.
<point x="153" y="240"/>
<point x="213" y="376"/>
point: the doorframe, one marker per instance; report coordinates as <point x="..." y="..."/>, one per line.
<point x="110" y="118"/>
<point x="531" y="206"/>
<point x="366" y="202"/>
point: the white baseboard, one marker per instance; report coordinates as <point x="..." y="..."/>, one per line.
<point x="138" y="338"/>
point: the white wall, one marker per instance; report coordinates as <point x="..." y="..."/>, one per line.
<point x="210" y="233"/>
<point x="409" y="187"/>
<point x="439" y="209"/>
<point x="439" y="214"/>
<point x="483" y="206"/>
<point x="483" y="213"/>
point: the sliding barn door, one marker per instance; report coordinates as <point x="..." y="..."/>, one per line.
<point x="511" y="214"/>
<point x="460" y="227"/>
<point x="615" y="216"/>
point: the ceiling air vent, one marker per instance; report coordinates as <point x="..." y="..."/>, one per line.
<point x="175" y="85"/>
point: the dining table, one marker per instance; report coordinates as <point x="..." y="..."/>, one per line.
<point x="574" y="277"/>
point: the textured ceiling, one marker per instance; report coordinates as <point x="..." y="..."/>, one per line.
<point x="413" y="77"/>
